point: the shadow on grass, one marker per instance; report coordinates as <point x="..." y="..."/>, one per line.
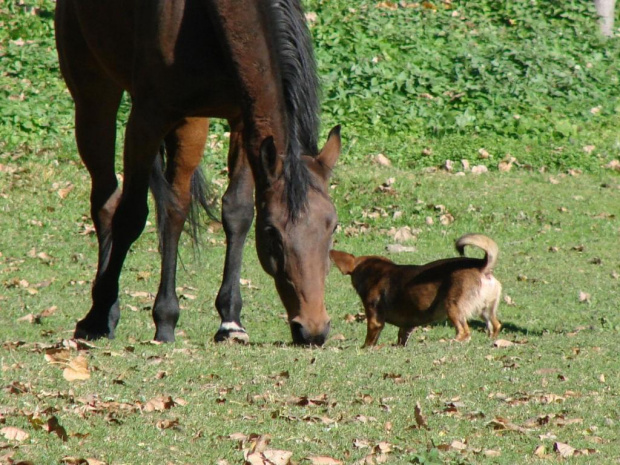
<point x="508" y="328"/>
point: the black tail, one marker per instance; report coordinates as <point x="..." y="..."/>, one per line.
<point x="202" y="198"/>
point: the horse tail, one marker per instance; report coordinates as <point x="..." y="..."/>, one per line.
<point x="491" y="251"/>
<point x="201" y="198"/>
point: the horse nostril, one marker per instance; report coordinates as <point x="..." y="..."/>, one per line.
<point x="301" y="336"/>
<point x="299" y="333"/>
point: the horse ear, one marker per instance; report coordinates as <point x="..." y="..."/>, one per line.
<point x="270" y="162"/>
<point x="331" y="150"/>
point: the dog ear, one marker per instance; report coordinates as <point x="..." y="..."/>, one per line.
<point x="345" y="262"/>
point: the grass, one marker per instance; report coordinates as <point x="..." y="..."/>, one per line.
<point x="422" y="85"/>
<point x="557" y="383"/>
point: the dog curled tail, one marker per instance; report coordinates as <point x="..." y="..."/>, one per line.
<point x="482" y="242"/>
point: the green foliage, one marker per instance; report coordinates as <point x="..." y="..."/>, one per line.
<point x="529" y="78"/>
<point x="36" y="112"/>
<point x="520" y="73"/>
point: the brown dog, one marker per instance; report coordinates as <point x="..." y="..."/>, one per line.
<point x="410" y="295"/>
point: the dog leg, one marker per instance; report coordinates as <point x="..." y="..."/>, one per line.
<point x="459" y="322"/>
<point x="374" y="328"/>
<point x="493" y="323"/>
<point x="403" y="335"/>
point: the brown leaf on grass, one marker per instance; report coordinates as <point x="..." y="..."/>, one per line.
<point x="159" y="404"/>
<point x="277" y="457"/>
<point x="259" y="442"/>
<point x="419" y="418"/>
<point x="501" y="343"/>
<point x="14" y="434"/>
<point x="506" y="165"/>
<point x="503" y="424"/>
<point x="17" y="387"/>
<point x="48" y="311"/>
<point x="382" y="160"/>
<point x="613" y="165"/>
<point x="322" y="460"/>
<point x="64" y="191"/>
<point x="167" y="424"/>
<point x="446" y="219"/>
<point x="388" y="5"/>
<point x="53" y="426"/>
<point x="564" y="450"/>
<point x="399" y="248"/>
<point x="584" y="297"/>
<point x="58" y="355"/>
<point x="305" y="401"/>
<point x="404" y="234"/>
<point x="30" y="318"/>
<point x="479" y="169"/>
<point x="539" y="451"/>
<point x="77" y="370"/>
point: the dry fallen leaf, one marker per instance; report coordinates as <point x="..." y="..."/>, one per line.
<point x="398" y="248"/>
<point x="563" y="449"/>
<point x="382" y="160"/>
<point x="77" y="370"/>
<point x="419" y="418"/>
<point x="277" y="457"/>
<point x="14" y="434"/>
<point x="159" y="404"/>
<point x="53" y="426"/>
<point x="502" y="343"/>
<point x="584" y="297"/>
<point x="167" y="424"/>
<point x="57" y="355"/>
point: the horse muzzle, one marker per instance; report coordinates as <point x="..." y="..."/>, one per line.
<point x="303" y="336"/>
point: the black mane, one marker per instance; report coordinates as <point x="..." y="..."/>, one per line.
<point x="300" y="85"/>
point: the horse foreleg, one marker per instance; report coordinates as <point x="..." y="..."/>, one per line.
<point x="185" y="146"/>
<point x="237" y="217"/>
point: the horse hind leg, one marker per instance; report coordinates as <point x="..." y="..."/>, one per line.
<point x="184" y="146"/>
<point x="143" y="136"/>
<point x="95" y="129"/>
<point x="237" y="217"/>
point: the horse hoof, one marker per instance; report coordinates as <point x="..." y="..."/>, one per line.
<point x="232" y="337"/>
<point x="84" y="331"/>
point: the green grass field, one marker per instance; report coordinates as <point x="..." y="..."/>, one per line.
<point x="548" y="392"/>
<point x="556" y="383"/>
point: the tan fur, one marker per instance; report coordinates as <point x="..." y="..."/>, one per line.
<point x="408" y="296"/>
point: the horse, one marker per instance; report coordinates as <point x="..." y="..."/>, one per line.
<point x="182" y="62"/>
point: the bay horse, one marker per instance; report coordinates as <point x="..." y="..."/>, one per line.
<point x="182" y="62"/>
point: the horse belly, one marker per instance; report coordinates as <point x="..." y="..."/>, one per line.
<point x="107" y="29"/>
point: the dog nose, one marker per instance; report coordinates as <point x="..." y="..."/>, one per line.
<point x="301" y="335"/>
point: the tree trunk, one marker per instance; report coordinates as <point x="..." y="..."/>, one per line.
<point x="605" y="9"/>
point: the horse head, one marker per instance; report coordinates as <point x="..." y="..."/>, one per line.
<point x="294" y="249"/>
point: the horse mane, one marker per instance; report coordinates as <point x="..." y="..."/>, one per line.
<point x="300" y="86"/>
